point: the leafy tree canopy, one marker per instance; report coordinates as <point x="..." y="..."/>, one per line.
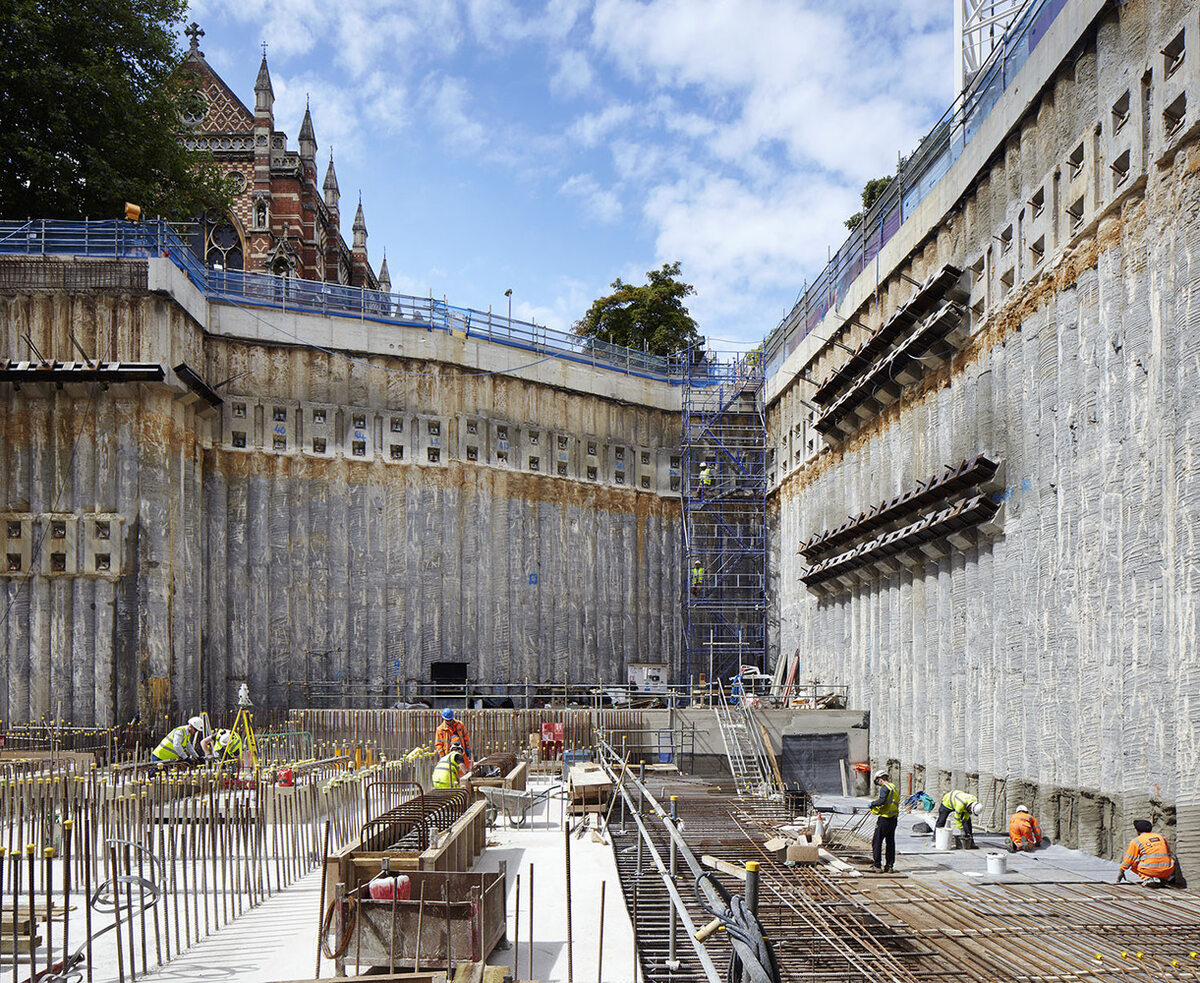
<point x="651" y="315"/>
<point x="872" y="191"/>
<point x="92" y="113"/>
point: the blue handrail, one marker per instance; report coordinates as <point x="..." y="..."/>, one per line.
<point x="940" y="148"/>
<point x="264" y="290"/>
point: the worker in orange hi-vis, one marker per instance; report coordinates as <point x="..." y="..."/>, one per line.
<point x="449" y="733"/>
<point x="1147" y="859"/>
<point x="1023" y="831"/>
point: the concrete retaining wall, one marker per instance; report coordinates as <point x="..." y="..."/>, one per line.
<point x="1055" y="664"/>
<point x="282" y="568"/>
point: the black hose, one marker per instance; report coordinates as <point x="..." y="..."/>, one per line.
<point x="751" y="951"/>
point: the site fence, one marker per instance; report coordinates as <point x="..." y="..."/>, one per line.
<point x="919" y="175"/>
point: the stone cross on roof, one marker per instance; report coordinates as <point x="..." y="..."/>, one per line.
<point x="195" y="33"/>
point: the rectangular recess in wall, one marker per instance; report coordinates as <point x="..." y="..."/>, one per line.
<point x="1173" y="54"/>
<point x="1120" y="113"/>
<point x="1174" y="114"/>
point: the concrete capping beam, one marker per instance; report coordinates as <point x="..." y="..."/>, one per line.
<point x="1069" y="26"/>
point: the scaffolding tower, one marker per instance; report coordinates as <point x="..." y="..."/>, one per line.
<point x="724" y="491"/>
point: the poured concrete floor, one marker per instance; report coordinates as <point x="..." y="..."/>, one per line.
<point x="277" y="940"/>
<point x="916" y="855"/>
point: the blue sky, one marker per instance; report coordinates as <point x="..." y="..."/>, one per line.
<point x="550" y="147"/>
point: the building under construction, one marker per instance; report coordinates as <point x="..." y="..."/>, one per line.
<point x="942" y="522"/>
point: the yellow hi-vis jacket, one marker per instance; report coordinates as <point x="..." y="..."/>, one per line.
<point x="959" y="803"/>
<point x="446" y="773"/>
<point x="175" y="745"/>
<point x="890" y="807"/>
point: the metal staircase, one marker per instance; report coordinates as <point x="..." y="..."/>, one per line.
<point x="743" y="747"/>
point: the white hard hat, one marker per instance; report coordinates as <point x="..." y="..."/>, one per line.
<point x="879" y="774"/>
<point x="196" y="723"/>
<point x="976" y="808"/>
<point x="223" y="738"/>
<point x="1021" y="809"/>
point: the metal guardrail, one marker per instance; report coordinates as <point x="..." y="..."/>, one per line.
<point x="758" y="691"/>
<point x="940" y="148"/>
<point x="50" y="237"/>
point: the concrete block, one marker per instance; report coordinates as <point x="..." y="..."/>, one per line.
<point x="1174" y="87"/>
<point x="504" y="445"/>
<point x="565" y="454"/>
<point x="537" y="450"/>
<point x="397" y="429"/>
<point x="281" y="426"/>
<point x="473" y="435"/>
<point x="645" y="469"/>
<point x="622" y="465"/>
<point x="430" y="441"/>
<point x="358" y="434"/>
<point x="59" y="553"/>
<point x="17" y="529"/>
<point x="593" y="458"/>
<point x="319" y="434"/>
<point x="241" y="423"/>
<point x="103" y="536"/>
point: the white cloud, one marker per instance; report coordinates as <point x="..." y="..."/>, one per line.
<point x="735" y="241"/>
<point x="592" y="128"/>
<point x="447" y="101"/>
<point x="574" y="76"/>
<point x="601" y="204"/>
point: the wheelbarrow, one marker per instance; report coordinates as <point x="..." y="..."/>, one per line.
<point x="517" y="805"/>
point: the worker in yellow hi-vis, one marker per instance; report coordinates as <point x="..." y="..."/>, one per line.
<point x="181" y="745"/>
<point x="697" y="577"/>
<point x="448" y="771"/>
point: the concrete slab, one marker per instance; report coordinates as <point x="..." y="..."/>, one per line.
<point x="917" y="856"/>
<point x="277" y="940"/>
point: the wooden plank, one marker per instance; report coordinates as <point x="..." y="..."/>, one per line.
<point x="771" y="757"/>
<point x="733" y="870"/>
<point x="391" y="978"/>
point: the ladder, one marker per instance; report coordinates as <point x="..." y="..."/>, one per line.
<point x="742" y="747"/>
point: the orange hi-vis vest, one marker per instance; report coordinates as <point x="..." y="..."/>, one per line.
<point x="447" y="733"/>
<point x="1148" y="856"/>
<point x="1023" y="828"/>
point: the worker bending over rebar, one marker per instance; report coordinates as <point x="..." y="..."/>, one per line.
<point x="963" y="805"/>
<point x="180" y="746"/>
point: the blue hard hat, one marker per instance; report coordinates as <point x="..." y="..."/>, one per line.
<point x="447" y="714"/>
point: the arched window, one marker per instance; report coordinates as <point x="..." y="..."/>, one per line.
<point x="218" y="242"/>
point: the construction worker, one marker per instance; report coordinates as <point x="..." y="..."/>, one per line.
<point x="180" y="744"/>
<point x="963" y="805"/>
<point x="697" y="577"/>
<point x="1147" y="859"/>
<point x="886" y="810"/>
<point x="1023" y="831"/>
<point x="448" y="771"/>
<point x="705" y="478"/>
<point x="450" y="732"/>
<point x="224" y="746"/>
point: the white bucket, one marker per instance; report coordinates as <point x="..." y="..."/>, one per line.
<point x="997" y="864"/>
<point x="942" y="839"/>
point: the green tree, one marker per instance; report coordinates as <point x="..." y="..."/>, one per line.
<point x="651" y="315"/>
<point x="872" y="191"/>
<point x="93" y="112"/>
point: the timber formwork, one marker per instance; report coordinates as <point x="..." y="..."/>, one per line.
<point x="724" y="491"/>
